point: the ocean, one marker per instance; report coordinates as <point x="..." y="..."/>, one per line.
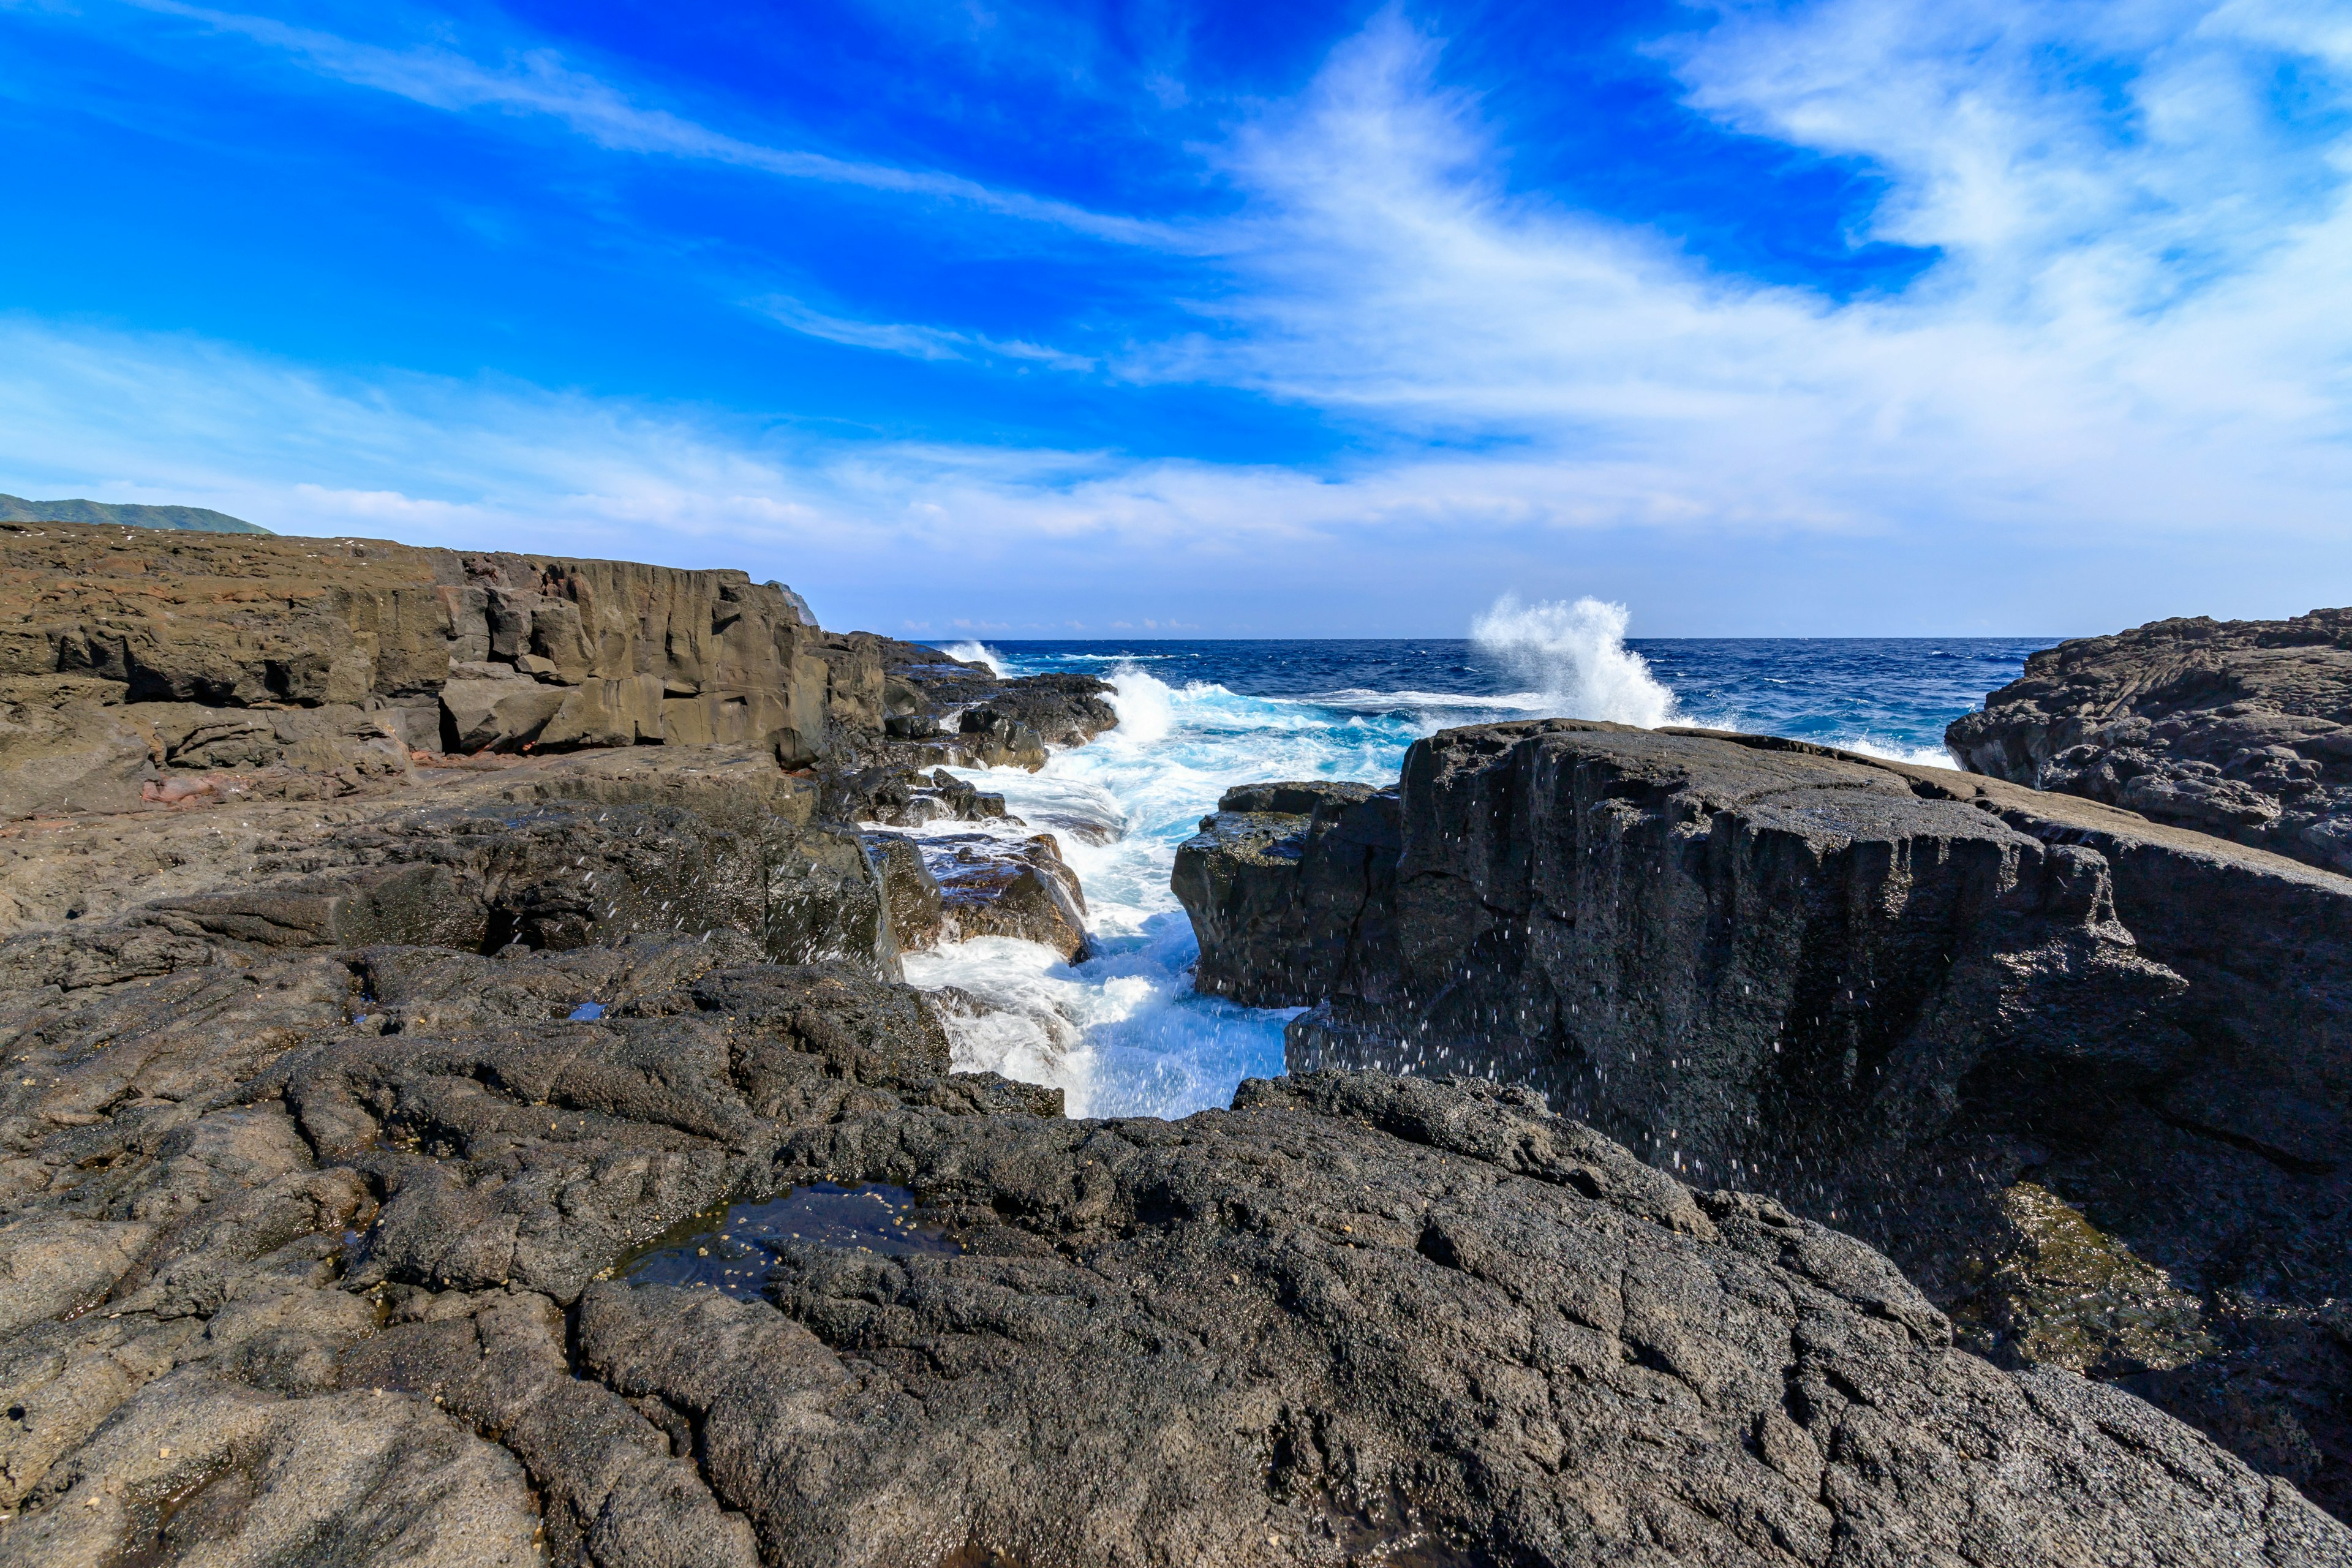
<point x="1122" y="1032"/>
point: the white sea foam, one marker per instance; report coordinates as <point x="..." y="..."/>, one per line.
<point x="1896" y="752"/>
<point x="976" y="653"/>
<point x="1364" y="700"/>
<point x="1577" y="654"/>
<point x="1124" y="1033"/>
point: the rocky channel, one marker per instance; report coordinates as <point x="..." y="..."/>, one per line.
<point x="381" y="1050"/>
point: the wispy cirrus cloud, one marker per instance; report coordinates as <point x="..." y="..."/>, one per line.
<point x="913" y="340"/>
<point x="537" y="81"/>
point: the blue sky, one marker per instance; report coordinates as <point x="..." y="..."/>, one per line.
<point x="1859" y="317"/>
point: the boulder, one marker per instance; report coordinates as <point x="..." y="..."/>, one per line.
<point x="990" y="886"/>
<point x="68" y="743"/>
<point x="918" y="913"/>
<point x="1290" y="888"/>
<point x="994" y="738"/>
<point x="2240" y="729"/>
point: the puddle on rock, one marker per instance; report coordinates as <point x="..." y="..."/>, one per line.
<point x="732" y="1250"/>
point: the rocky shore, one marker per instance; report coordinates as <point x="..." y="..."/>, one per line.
<point x="463" y="1108"/>
<point x="2085" y="1078"/>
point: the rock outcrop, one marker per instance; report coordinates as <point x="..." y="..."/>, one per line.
<point x="129" y="657"/>
<point x="2241" y="729"/>
<point x="1895" y="996"/>
<point x="537" y="1158"/>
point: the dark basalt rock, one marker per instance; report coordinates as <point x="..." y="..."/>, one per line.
<point x="333" y="1123"/>
<point x="1291" y="889"/>
<point x="309" y="1254"/>
<point x="1897" y="996"/>
<point x="992" y="887"/>
<point x="938" y="709"/>
<point x="2241" y="729"/>
<point x="1361" y="1319"/>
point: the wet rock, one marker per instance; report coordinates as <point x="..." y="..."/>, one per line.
<point x="918" y="913"/>
<point x="994" y="738"/>
<point x="1291" y="886"/>
<point x="994" y="887"/>
<point x="2241" y="729"/>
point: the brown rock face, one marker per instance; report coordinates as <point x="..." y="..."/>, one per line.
<point x="2240" y="729"/>
<point x="127" y="655"/>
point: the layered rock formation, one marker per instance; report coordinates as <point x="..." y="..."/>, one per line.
<point x="2241" y="729"/>
<point x="130" y="656"/>
<point x="1894" y="997"/>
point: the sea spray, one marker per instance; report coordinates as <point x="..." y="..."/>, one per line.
<point x="976" y="653"/>
<point x="1123" y="1033"/>
<point x="1576" y="656"/>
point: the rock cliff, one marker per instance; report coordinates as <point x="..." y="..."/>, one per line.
<point x="2241" y="729"/>
<point x="140" y="668"/>
<point x="1894" y="998"/>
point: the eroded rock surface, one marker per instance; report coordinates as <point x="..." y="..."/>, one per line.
<point x="342" y="1114"/>
<point x="146" y="670"/>
<point x="320" y="1193"/>
<point x="1892" y="995"/>
<point x="2241" y="729"/>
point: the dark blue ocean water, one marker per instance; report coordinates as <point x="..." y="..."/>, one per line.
<point x="1124" y="1033"/>
<point x="1892" y="694"/>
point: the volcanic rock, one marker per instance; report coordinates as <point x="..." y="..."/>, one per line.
<point x="1886" y="994"/>
<point x="321" y="1248"/>
<point x="990" y="886"/>
<point x="341" y="1131"/>
<point x="129" y="657"/>
<point x="2241" y="729"/>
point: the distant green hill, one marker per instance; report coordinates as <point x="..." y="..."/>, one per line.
<point x="16" y="508"/>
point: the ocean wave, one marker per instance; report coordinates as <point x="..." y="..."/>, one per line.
<point x="1124" y="1033"/>
<point x="977" y="653"/>
<point x="1366" y="699"/>
<point x="1896" y="751"/>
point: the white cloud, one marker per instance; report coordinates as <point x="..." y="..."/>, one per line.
<point x="2129" y="332"/>
<point x="2134" y="358"/>
<point x="914" y="342"/>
